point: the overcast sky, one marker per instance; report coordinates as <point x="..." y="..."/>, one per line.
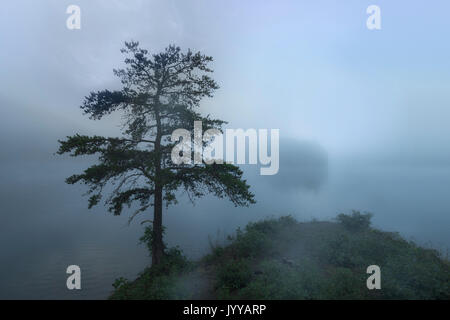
<point x="310" y="68"/>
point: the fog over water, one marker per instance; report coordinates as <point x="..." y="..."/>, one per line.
<point x="363" y="119"/>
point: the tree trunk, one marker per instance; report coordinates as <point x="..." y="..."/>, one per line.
<point x="157" y="245"/>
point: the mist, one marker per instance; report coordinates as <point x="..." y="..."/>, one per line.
<point x="363" y="121"/>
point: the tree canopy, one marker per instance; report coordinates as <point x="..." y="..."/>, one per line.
<point x="160" y="94"/>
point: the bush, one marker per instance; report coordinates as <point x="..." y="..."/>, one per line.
<point x="356" y="221"/>
<point x="343" y="284"/>
<point x="121" y="287"/>
<point x="249" y="244"/>
<point x="284" y="259"/>
<point x="156" y="282"/>
<point x="278" y="281"/>
<point x="234" y="275"/>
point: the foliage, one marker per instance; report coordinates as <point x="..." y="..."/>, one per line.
<point x="147" y="238"/>
<point x="234" y="275"/>
<point x="159" y="95"/>
<point x="286" y="259"/>
<point x="157" y="282"/>
<point x="356" y="221"/>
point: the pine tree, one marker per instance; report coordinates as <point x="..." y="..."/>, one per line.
<point x="160" y="94"/>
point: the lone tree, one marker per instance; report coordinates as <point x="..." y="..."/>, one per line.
<point x="159" y="95"/>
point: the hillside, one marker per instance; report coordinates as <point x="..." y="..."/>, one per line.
<point x="286" y="259"/>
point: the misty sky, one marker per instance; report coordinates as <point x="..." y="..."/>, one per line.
<point x="312" y="69"/>
<point x="370" y="110"/>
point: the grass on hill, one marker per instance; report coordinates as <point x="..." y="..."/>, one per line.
<point x="286" y="259"/>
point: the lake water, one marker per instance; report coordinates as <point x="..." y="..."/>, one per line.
<point x="47" y="227"/>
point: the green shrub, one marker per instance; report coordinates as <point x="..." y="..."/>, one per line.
<point x="157" y="282"/>
<point x="249" y="244"/>
<point x="279" y="281"/>
<point x="356" y="221"/>
<point x="284" y="259"/>
<point x="121" y="288"/>
<point x="344" y="284"/>
<point x="234" y="275"/>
